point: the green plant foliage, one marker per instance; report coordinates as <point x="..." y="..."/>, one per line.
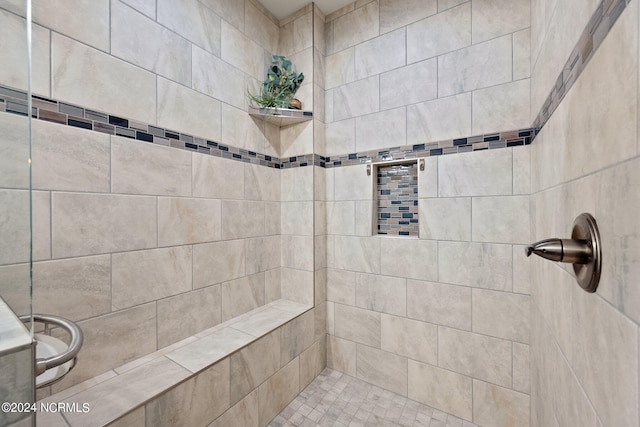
<point x="280" y="85"/>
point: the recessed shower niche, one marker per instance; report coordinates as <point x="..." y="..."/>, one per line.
<point x="396" y="195"/>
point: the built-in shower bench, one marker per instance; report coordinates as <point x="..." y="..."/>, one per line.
<point x="120" y="391"/>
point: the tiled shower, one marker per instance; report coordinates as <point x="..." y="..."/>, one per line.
<point x="219" y="263"/>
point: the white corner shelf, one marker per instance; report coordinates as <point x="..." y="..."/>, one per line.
<point x="281" y="117"/>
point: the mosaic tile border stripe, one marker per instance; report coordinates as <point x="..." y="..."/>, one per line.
<point x="601" y="22"/>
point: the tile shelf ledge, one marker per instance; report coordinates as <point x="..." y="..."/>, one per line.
<point x="281" y="117"/>
<point x="119" y="391"/>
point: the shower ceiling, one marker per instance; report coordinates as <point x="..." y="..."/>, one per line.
<point x="283" y="8"/>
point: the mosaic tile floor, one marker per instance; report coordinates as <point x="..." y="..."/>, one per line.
<point x="334" y="399"/>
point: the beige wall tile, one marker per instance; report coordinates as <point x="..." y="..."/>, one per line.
<point x="217" y="262"/>
<point x="340" y="68"/>
<point x="441" y="389"/>
<point x="341" y="218"/>
<point x="254" y="364"/>
<point x="15" y="227"/>
<point x="296" y="140"/>
<point x="296" y="184"/>
<point x="262" y="254"/>
<point x="241" y="130"/>
<point x="356" y="324"/>
<point x="86" y="224"/>
<point x="143" y="276"/>
<point x="203" y="309"/>
<point x="296" y="336"/>
<point x="521" y="368"/>
<point x="84" y="282"/>
<point x="113" y="340"/>
<point x="242" y="295"/>
<point x="439" y="303"/>
<point x="501" y="107"/>
<point x="475" y="355"/>
<point x="352" y="183"/>
<point x="242" y="414"/>
<point x="193" y="21"/>
<point x="132" y="419"/>
<point x="410" y="338"/>
<point x="481" y="65"/>
<point x="197" y="401"/>
<point x="397" y="13"/>
<point x="447" y="4"/>
<point x="383" y="369"/>
<point x="185" y="221"/>
<point x="272" y="218"/>
<point x="409" y="85"/>
<point x="231" y="11"/>
<point x="439" y="119"/>
<point x="69" y="159"/>
<point x="14" y="70"/>
<point x="494" y="405"/>
<point x="297" y="218"/>
<point x="379" y="130"/>
<point x="262" y="183"/>
<point x="357" y="98"/>
<point x="445" y="218"/>
<point x="14" y="150"/>
<point x="521" y="271"/>
<point x="141" y="168"/>
<point x="148" y="7"/>
<point x="260" y="28"/>
<point x="218" y="178"/>
<point x="242" y="52"/>
<point x="206" y="69"/>
<point x="496" y="18"/>
<point x="303" y="32"/>
<point x="428" y="179"/>
<point x="479" y="265"/>
<point x="511" y="225"/>
<point x="381" y="293"/>
<point x="521" y="170"/>
<point x="413" y="259"/>
<point x="501" y="314"/>
<point x="188" y="111"/>
<point x="465" y="174"/>
<point x="298" y="252"/>
<point x="141" y="41"/>
<point x="357" y="253"/>
<point x="381" y="54"/>
<point x="522" y="54"/>
<point x="241" y="219"/>
<point x="341" y="286"/>
<point x="439" y="34"/>
<point x="364" y="218"/>
<point x="297" y="285"/>
<point x="87" y="22"/>
<point x="355" y="27"/>
<point x="312" y="362"/>
<point x="275" y="394"/>
<point x="341" y="355"/>
<point x="121" y="89"/>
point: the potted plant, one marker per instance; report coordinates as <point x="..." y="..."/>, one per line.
<point x="280" y="85"/>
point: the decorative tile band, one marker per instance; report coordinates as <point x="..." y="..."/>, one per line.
<point x="601" y="22"/>
<point x="397" y="196"/>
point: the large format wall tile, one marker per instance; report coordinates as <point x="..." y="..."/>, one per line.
<point x="475" y="355"/>
<point x="217" y="178"/>
<point x="242" y="219"/>
<point x="493" y="405"/>
<point x="207" y="69"/>
<point x="217" y="262"/>
<point x="14" y="150"/>
<point x="184" y="221"/>
<point x="184" y="315"/>
<point x="193" y="20"/>
<point x="501" y="219"/>
<point x="383" y="369"/>
<point x="141" y="41"/>
<point x="113" y="340"/>
<point x="188" y="111"/>
<point x="354" y="184"/>
<point x="380" y="54"/>
<point x="355" y="27"/>
<point x="242" y="52"/>
<point x="241" y="130"/>
<point x="276" y="393"/>
<point x="242" y="414"/>
<point x="409" y="85"/>
<point x="341" y="355"/>
<point x="438" y="303"/>
<point x="86" y="224"/>
<point x="479" y="265"/>
<point x="501" y="314"/>
<point x="410" y="338"/>
<point x="439" y="119"/>
<point x="84" y="282"/>
<point x="381" y="293"/>
<point x="445" y="218"/>
<point x="438" y="34"/>
<point x="340" y="68"/>
<point x="69" y="159"/>
<point x="356" y="324"/>
<point x="141" y="168"/>
<point x="242" y="295"/>
<point x="493" y="18"/>
<point x="398" y="13"/>
<point x="263" y="254"/>
<point x="503" y="107"/>
<point x="254" y="364"/>
<point x="357" y="98"/>
<point x="260" y="28"/>
<point x="441" y="389"/>
<point x="145" y="276"/>
<point x="481" y="65"/>
<point x="87" y="22"/>
<point x="148" y="7"/>
<point x="121" y="88"/>
<point x="379" y="130"/>
<point x="466" y="174"/>
<point x="410" y="258"/>
<point x="357" y="253"/>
